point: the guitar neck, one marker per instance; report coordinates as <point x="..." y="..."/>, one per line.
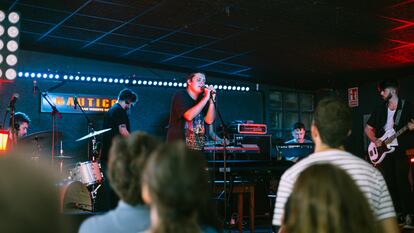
<point x="398" y="133"/>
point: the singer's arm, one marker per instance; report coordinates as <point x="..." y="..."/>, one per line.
<point x="196" y="109"/>
<point x="211" y="113"/>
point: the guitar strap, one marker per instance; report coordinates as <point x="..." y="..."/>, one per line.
<point x="397" y="118"/>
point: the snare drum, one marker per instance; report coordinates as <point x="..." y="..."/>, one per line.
<point x="89" y="173"/>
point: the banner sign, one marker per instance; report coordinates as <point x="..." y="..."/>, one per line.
<point x="353" y="97"/>
<point x="65" y="103"/>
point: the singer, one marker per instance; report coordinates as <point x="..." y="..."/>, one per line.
<point x="393" y="114"/>
<point x="190" y="110"/>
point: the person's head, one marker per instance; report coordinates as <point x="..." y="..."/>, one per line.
<point x="29" y="199"/>
<point x="127" y="159"/>
<point x="21" y="123"/>
<point x="388" y="88"/>
<point x="195" y="82"/>
<point x="298" y="132"/>
<point x="326" y="199"/>
<point x="332" y="122"/>
<point x="175" y="185"/>
<point x="127" y="98"/>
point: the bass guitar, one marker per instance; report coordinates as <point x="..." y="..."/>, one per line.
<point x="377" y="154"/>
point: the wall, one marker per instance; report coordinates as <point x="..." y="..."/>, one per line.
<point x="150" y="114"/>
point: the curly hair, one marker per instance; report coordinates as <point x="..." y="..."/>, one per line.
<point x="127" y="159"/>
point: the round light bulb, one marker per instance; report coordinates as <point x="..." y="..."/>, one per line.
<point x="11" y="74"/>
<point x="14" y="17"/>
<point x="13" y="32"/>
<point x="12" y="46"/>
<point x="11" y="59"/>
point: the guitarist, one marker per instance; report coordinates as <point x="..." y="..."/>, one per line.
<point x="394" y="114"/>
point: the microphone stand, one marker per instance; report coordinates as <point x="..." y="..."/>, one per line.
<point x="225" y="139"/>
<point x="54" y="113"/>
<point x="91" y="129"/>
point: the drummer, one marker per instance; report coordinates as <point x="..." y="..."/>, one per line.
<point x="20" y="126"/>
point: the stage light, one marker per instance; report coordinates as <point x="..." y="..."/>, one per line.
<point x="121" y="81"/>
<point x="180" y="84"/>
<point x="14" y="17"/>
<point x="99" y="79"/>
<point x="126" y="81"/>
<point x="4" y="136"/>
<point x="76" y="78"/>
<point x="149" y="82"/>
<point x="220" y="87"/>
<point x="134" y="82"/>
<point x="9" y="38"/>
<point x="224" y="87"/>
<point x="11" y="74"/>
<point x="50" y="75"/>
<point x="144" y="82"/>
<point x="175" y="84"/>
<point x="243" y="88"/>
<point x="247" y="89"/>
<point x="238" y="88"/>
<point x="26" y="74"/>
<point x="65" y="77"/>
<point x="20" y="74"/>
<point x="71" y="77"/>
<point x="169" y="84"/>
<point x="57" y="76"/>
<point x="13" y="32"/>
<point x="159" y="83"/>
<point x="184" y="84"/>
<point x="155" y="83"/>
<point x="2" y="16"/>
<point x="164" y="83"/>
<point x="139" y="82"/>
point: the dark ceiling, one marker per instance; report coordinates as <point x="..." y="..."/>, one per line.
<point x="285" y="42"/>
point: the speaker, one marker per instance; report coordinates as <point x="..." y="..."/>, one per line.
<point x="263" y="141"/>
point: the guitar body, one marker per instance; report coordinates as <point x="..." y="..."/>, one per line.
<point x="377" y="154"/>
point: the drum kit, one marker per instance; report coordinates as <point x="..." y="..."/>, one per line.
<point x="78" y="189"/>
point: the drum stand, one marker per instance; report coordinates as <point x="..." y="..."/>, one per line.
<point x="94" y="192"/>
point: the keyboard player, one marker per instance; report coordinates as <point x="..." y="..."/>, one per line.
<point x="298" y="134"/>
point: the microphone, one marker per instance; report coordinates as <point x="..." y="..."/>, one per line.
<point x="75" y="100"/>
<point x="212" y="91"/>
<point x="34" y="87"/>
<point x="13" y="100"/>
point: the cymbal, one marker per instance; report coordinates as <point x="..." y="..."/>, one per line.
<point x="41" y="136"/>
<point x="92" y="134"/>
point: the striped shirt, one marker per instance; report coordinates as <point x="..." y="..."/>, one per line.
<point x="367" y="177"/>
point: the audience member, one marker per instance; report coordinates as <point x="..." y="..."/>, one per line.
<point x="330" y="127"/>
<point x="176" y="187"/>
<point x="29" y="199"/>
<point x="318" y="205"/>
<point x="127" y="159"/>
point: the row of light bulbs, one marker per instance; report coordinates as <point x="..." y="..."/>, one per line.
<point x="157" y="83"/>
<point x="9" y="33"/>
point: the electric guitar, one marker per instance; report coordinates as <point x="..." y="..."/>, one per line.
<point x="377" y="154"/>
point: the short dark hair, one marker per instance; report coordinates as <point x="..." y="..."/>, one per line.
<point x="19" y="118"/>
<point x="128" y="96"/>
<point x="127" y="159"/>
<point x="191" y="76"/>
<point x="298" y="125"/>
<point x="333" y="120"/>
<point x="390" y="82"/>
